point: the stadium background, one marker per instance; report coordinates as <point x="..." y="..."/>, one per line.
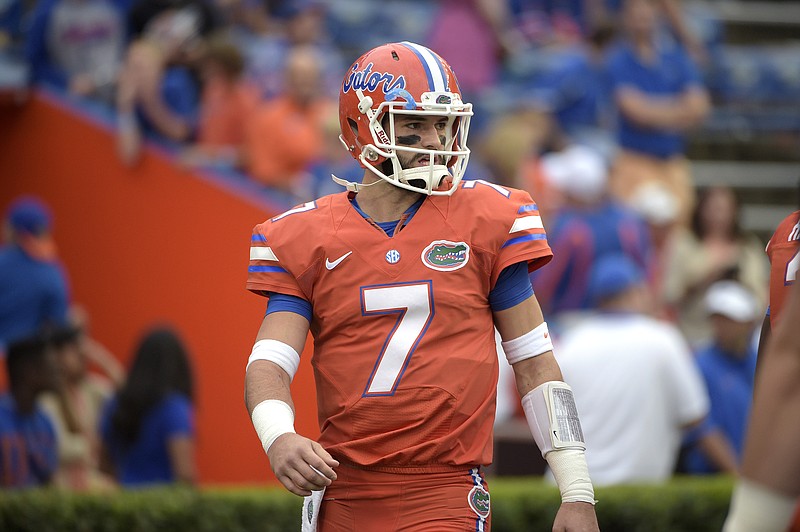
<point x="162" y="243"/>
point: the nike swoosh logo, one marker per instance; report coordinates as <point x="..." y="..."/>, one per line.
<point x="331" y="265"/>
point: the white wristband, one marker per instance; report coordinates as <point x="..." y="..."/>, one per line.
<point x="531" y="344"/>
<point x="272" y="418"/>
<point x="755" y="507"/>
<point x="572" y="475"/>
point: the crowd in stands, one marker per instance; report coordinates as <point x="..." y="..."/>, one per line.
<point x="587" y="105"/>
<point x="70" y="415"/>
<point x="629" y="79"/>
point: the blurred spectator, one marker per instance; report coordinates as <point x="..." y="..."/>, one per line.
<point x="574" y="89"/>
<point x="14" y="69"/>
<point x="728" y="365"/>
<point x="226" y="104"/>
<point x="148" y="427"/>
<point x="142" y="12"/>
<point x="492" y="37"/>
<point x="587" y="226"/>
<point x="267" y="47"/>
<point x="548" y="22"/>
<point x="674" y="23"/>
<point x="157" y="92"/>
<point x="512" y="139"/>
<point x="10" y="23"/>
<point x="77" y="45"/>
<point x="33" y="284"/>
<point x="660" y="97"/>
<point x="334" y="159"/>
<point x="285" y="134"/>
<point x="658" y="207"/>
<point x="75" y="408"/>
<point x="559" y="21"/>
<point x="635" y="384"/>
<point x="99" y="359"/>
<point x="712" y="249"/>
<point x="246" y="16"/>
<point x="28" y="453"/>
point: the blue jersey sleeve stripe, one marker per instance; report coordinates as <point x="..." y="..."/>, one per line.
<point x="524" y="238"/>
<point x="528" y="208"/>
<point x="256" y="269"/>
<point x="287" y="303"/>
<point x="513" y="286"/>
<point x="258" y="238"/>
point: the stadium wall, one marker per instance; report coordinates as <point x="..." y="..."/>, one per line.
<point x="152" y="244"/>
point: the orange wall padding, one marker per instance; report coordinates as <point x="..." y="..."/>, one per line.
<point x="151" y="244"/>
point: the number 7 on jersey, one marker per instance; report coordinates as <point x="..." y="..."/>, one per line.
<point x="414" y="304"/>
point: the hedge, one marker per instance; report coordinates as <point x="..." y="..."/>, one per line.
<point x="518" y="505"/>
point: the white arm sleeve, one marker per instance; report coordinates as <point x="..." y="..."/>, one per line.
<point x="553" y="419"/>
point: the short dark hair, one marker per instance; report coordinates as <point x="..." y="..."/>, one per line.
<point x="25" y="353"/>
<point x="64" y="335"/>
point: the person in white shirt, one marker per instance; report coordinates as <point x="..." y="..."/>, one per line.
<point x="636" y="385"/>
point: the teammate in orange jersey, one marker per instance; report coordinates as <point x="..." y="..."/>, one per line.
<point x="401" y="281"/>
<point x="768" y="491"/>
<point x="784" y="259"/>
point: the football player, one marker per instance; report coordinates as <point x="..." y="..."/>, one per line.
<point x="767" y="493"/>
<point x="784" y="262"/>
<point x="401" y="281"/>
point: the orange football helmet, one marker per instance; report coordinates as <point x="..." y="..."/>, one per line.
<point x="403" y="78"/>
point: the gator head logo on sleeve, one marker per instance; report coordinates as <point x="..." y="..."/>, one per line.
<point x="445" y="256"/>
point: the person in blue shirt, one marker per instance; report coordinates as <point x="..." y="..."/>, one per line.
<point x="574" y="90"/>
<point x="588" y="226"/>
<point x="147" y="428"/>
<point x="28" y="452"/>
<point x="728" y="365"/>
<point x="33" y="284"/>
<point x="659" y="98"/>
<point x="158" y="96"/>
<point x="76" y="46"/>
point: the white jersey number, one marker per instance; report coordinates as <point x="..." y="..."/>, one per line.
<point x="413" y="302"/>
<point x="791" y="269"/>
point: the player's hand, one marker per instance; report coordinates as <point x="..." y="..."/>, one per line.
<point x="576" y="517"/>
<point x="301" y="465"/>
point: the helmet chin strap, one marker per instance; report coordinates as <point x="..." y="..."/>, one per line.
<point x="352" y="186"/>
<point x="432" y="176"/>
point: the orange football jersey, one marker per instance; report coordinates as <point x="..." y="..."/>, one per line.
<point x="784" y="259"/>
<point x="405" y="361"/>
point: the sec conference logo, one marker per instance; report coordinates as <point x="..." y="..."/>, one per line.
<point x="445" y="256"/>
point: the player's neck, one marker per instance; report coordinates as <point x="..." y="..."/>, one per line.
<point x="385" y="202"/>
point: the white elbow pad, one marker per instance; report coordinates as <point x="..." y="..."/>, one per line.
<point x="553" y="418"/>
<point x="529" y="345"/>
<point x="278" y="352"/>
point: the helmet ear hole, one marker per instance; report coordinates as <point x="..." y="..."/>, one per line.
<point x="353" y="126"/>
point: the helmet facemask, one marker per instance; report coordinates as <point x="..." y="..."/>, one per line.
<point x="446" y="167"/>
